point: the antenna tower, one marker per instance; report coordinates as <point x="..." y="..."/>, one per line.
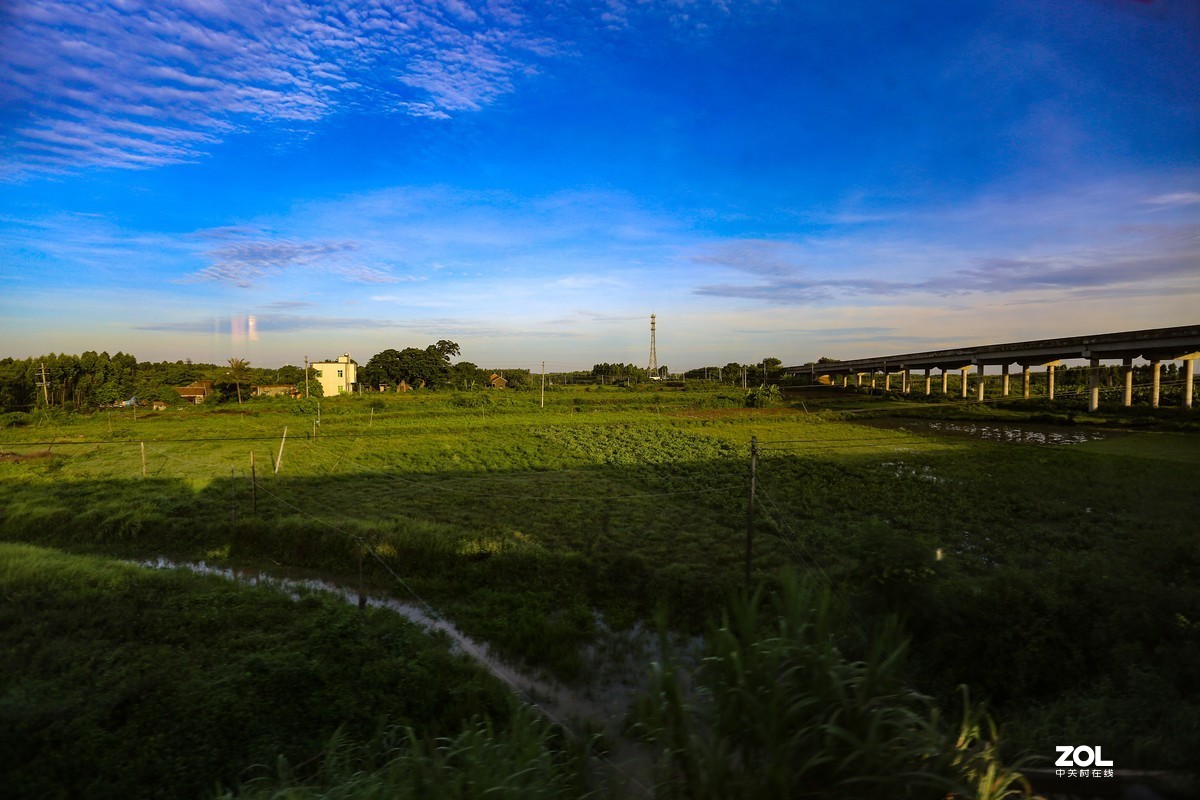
<point x="653" y="367"/>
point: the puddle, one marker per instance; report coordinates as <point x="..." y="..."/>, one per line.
<point x="922" y="472"/>
<point x="1051" y="435"/>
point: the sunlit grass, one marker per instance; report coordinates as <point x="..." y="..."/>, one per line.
<point x="509" y="516"/>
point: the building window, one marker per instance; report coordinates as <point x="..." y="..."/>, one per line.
<point x="340" y="374"/>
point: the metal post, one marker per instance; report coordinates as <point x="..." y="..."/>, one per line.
<point x="362" y="595"/>
<point x="750" y="509"/>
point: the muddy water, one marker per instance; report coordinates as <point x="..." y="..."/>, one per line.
<point x="620" y="666"/>
<point x="1023" y="433"/>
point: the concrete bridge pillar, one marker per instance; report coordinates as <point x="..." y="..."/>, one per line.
<point x="904" y="385"/>
<point x="887" y="381"/>
<point x="927" y="382"/>
<point x="1094" y="385"/>
<point x="945" y="382"/>
<point x="1127" y="374"/>
<point x="1155" y="378"/>
<point x="1050" y="381"/>
<point x="858" y="380"/>
<point x="964" y="382"/>
<point x="1004" y="380"/>
<point x="872" y="379"/>
<point x="980" y="388"/>
<point x="1025" y="380"/>
<point x="1189" y="374"/>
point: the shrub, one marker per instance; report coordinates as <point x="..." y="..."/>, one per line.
<point x="764" y="397"/>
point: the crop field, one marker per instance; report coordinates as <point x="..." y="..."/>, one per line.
<point x="1061" y="583"/>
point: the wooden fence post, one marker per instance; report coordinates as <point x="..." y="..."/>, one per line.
<point x="282" y="442"/>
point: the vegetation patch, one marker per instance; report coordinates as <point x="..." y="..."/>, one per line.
<point x="1053" y="580"/>
<point x="122" y="682"/>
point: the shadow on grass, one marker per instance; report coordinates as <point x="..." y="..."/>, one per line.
<point x="1031" y="574"/>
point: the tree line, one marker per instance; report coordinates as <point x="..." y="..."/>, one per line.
<point x="94" y="380"/>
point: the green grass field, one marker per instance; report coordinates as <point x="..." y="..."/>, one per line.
<point x="1062" y="583"/>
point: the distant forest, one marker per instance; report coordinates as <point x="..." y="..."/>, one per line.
<point x="95" y="380"/>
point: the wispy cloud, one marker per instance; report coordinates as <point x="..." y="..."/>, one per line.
<point x="1174" y="199"/>
<point x="242" y="262"/>
<point x="140" y="84"/>
<point x="1091" y="239"/>
<point x="244" y="256"/>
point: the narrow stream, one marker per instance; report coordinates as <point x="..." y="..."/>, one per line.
<point x="601" y="706"/>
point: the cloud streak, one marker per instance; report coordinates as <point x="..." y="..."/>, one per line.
<point x="246" y="256"/>
<point x="139" y="84"/>
<point x="1092" y="241"/>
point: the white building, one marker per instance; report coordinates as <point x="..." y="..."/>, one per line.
<point x="337" y="377"/>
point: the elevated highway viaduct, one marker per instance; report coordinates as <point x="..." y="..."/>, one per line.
<point x="1156" y="346"/>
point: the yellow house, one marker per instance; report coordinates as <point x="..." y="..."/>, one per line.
<point x="337" y="377"/>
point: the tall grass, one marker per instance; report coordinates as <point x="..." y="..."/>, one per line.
<point x="789" y="701"/>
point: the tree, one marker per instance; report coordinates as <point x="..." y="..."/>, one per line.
<point x="466" y="374"/>
<point x="237" y="371"/>
<point x="770" y="365"/>
<point x="430" y="366"/>
<point x="446" y="348"/>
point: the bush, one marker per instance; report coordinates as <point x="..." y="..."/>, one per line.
<point x="764" y="397"/>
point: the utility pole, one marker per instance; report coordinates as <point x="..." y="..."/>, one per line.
<point x="543" y="384"/>
<point x="652" y="367"/>
<point x="306" y="377"/>
<point x="750" y="509"/>
<point x="45" y="386"/>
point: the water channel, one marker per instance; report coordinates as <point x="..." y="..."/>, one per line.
<point x="619" y="674"/>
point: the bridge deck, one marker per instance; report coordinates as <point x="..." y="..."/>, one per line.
<point x="1157" y="344"/>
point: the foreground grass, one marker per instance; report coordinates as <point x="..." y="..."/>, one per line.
<point x="1059" y="583"/>
<point x="124" y="682"/>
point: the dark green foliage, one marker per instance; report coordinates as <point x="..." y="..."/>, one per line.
<point x="123" y="682"/>
<point x="530" y="760"/>
<point x="429" y="367"/>
<point x="792" y="700"/>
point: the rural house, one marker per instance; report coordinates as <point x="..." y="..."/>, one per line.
<point x="196" y="391"/>
<point x="337" y="377"/>
<point x="276" y="390"/>
<point x="497" y="381"/>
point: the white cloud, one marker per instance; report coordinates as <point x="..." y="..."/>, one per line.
<point x="141" y="84"/>
<point x="1174" y="199"/>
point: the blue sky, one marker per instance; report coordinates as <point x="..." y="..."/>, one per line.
<point x="210" y="179"/>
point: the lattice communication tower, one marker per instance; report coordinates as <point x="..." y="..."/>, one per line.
<point x="653" y="367"/>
